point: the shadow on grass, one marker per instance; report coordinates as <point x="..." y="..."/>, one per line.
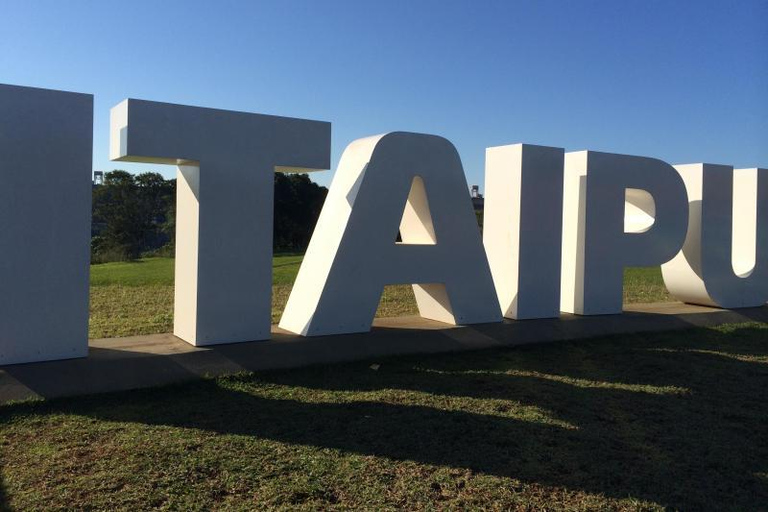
<point x="4" y="506"/>
<point x="680" y="419"/>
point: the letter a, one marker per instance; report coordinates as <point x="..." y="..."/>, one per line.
<point x="354" y="253"/>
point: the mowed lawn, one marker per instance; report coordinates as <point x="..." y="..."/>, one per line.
<point x="638" y="422"/>
<point x="137" y="297"/>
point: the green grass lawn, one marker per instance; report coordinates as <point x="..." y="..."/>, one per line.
<point x="137" y="297"/>
<point x="159" y="271"/>
<point x="637" y="422"/>
<point x="130" y="298"/>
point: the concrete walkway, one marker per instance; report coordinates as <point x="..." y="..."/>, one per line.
<point x="146" y="361"/>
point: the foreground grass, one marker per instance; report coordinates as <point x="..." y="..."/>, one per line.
<point x="137" y="298"/>
<point x="634" y="422"/>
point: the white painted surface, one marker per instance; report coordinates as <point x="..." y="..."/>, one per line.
<point x="608" y="200"/>
<point x="46" y="144"/>
<point x="522" y="221"/>
<point x="724" y="261"/>
<point x="224" y="205"/>
<point x="406" y="181"/>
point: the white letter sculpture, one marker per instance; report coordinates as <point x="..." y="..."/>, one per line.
<point x="618" y="211"/>
<point x="724" y="261"/>
<point x="46" y="145"/>
<point x="414" y="182"/>
<point x="522" y="221"/>
<point x="224" y="206"/>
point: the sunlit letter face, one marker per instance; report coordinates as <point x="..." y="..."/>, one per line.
<point x="46" y="143"/>
<point x="724" y="261"/>
<point x="400" y="180"/>
<point x="224" y="205"/>
<point x="618" y="211"/>
<point x="522" y="219"/>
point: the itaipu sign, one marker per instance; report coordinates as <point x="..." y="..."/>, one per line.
<point x="559" y="227"/>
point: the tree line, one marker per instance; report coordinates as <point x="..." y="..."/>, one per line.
<point x="135" y="215"/>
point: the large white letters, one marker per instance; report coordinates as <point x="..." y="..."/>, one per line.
<point x="224" y="206"/>
<point x="559" y="228"/>
<point x="723" y="262"/>
<point x="46" y="140"/>
<point x="522" y="219"/>
<point x="618" y="211"/>
<point x="400" y="180"/>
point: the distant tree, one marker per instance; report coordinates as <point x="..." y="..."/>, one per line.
<point x="298" y="202"/>
<point x="129" y="212"/>
<point x="135" y="214"/>
<point x="168" y="228"/>
<point x="479" y="218"/>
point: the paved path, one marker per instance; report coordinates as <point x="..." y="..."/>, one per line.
<point x="153" y="360"/>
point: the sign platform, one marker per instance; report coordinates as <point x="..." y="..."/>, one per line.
<point x="118" y="364"/>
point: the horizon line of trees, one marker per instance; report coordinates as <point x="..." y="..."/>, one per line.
<point x="135" y="215"/>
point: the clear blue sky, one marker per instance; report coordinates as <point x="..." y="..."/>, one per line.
<point x="684" y="81"/>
